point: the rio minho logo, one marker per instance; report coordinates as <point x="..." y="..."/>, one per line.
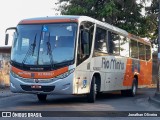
<point x="6" y="114"/>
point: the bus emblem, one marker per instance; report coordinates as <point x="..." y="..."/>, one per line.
<point x="36" y="80"/>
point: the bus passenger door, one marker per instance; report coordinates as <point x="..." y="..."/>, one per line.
<point x="83" y="55"/>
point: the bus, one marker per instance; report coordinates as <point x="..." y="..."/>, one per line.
<point x="76" y="55"/>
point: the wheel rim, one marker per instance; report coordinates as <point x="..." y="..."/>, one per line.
<point x="134" y="89"/>
<point x="95" y="89"/>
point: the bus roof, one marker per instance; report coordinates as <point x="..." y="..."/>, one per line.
<point x="62" y="18"/>
<point x="76" y="18"/>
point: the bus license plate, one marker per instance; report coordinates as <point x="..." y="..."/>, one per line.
<point x="36" y="86"/>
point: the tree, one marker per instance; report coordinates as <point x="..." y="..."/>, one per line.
<point x="125" y="14"/>
<point x="152" y="19"/>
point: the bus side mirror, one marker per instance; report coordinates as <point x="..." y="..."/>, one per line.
<point x="7" y="35"/>
<point x="6" y="39"/>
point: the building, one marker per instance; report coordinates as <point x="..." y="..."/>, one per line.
<point x="4" y="65"/>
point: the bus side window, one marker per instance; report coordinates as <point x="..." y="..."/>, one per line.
<point x="134" y="49"/>
<point x="142" y="52"/>
<point x="110" y="43"/>
<point x="124" y="46"/>
<point x="148" y="52"/>
<point x="100" y="46"/>
<point x="114" y="43"/>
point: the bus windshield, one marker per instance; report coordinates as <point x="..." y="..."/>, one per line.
<point x="44" y="44"/>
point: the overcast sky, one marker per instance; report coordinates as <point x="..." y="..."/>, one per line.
<point x="12" y="11"/>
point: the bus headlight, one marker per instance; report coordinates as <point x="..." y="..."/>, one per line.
<point x="14" y="74"/>
<point x="66" y="74"/>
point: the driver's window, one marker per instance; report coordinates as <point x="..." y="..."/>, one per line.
<point x="85" y="43"/>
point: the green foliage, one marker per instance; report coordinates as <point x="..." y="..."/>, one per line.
<point x="125" y="14"/>
<point x="152" y="19"/>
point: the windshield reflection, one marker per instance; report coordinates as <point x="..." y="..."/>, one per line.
<point x="44" y="44"/>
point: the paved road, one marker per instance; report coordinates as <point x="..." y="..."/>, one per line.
<point x="108" y="102"/>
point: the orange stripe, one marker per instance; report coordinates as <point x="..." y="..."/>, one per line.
<point x="144" y="75"/>
<point x="47" y="21"/>
<point x="39" y="75"/>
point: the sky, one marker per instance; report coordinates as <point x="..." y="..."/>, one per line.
<point x="13" y="11"/>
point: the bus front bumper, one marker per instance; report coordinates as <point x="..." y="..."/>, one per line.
<point x="38" y="86"/>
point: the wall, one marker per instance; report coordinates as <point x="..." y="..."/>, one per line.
<point x="4" y="66"/>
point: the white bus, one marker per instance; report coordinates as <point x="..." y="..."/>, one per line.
<point x="77" y="55"/>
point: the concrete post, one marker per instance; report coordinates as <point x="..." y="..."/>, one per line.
<point x="158" y="48"/>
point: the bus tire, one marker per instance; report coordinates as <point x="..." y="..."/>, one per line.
<point x="91" y="97"/>
<point x="132" y="92"/>
<point x="41" y="97"/>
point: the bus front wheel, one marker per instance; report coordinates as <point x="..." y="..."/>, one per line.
<point x="41" y="97"/>
<point x="91" y="97"/>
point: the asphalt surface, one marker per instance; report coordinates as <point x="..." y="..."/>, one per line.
<point x="106" y="102"/>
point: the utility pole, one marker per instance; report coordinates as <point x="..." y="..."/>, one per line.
<point x="158" y="80"/>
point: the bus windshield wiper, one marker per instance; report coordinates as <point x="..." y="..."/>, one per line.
<point x="49" y="51"/>
<point x="30" y="50"/>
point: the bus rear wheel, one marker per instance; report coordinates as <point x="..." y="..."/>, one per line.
<point x="91" y="97"/>
<point x="131" y="92"/>
<point x="41" y="97"/>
